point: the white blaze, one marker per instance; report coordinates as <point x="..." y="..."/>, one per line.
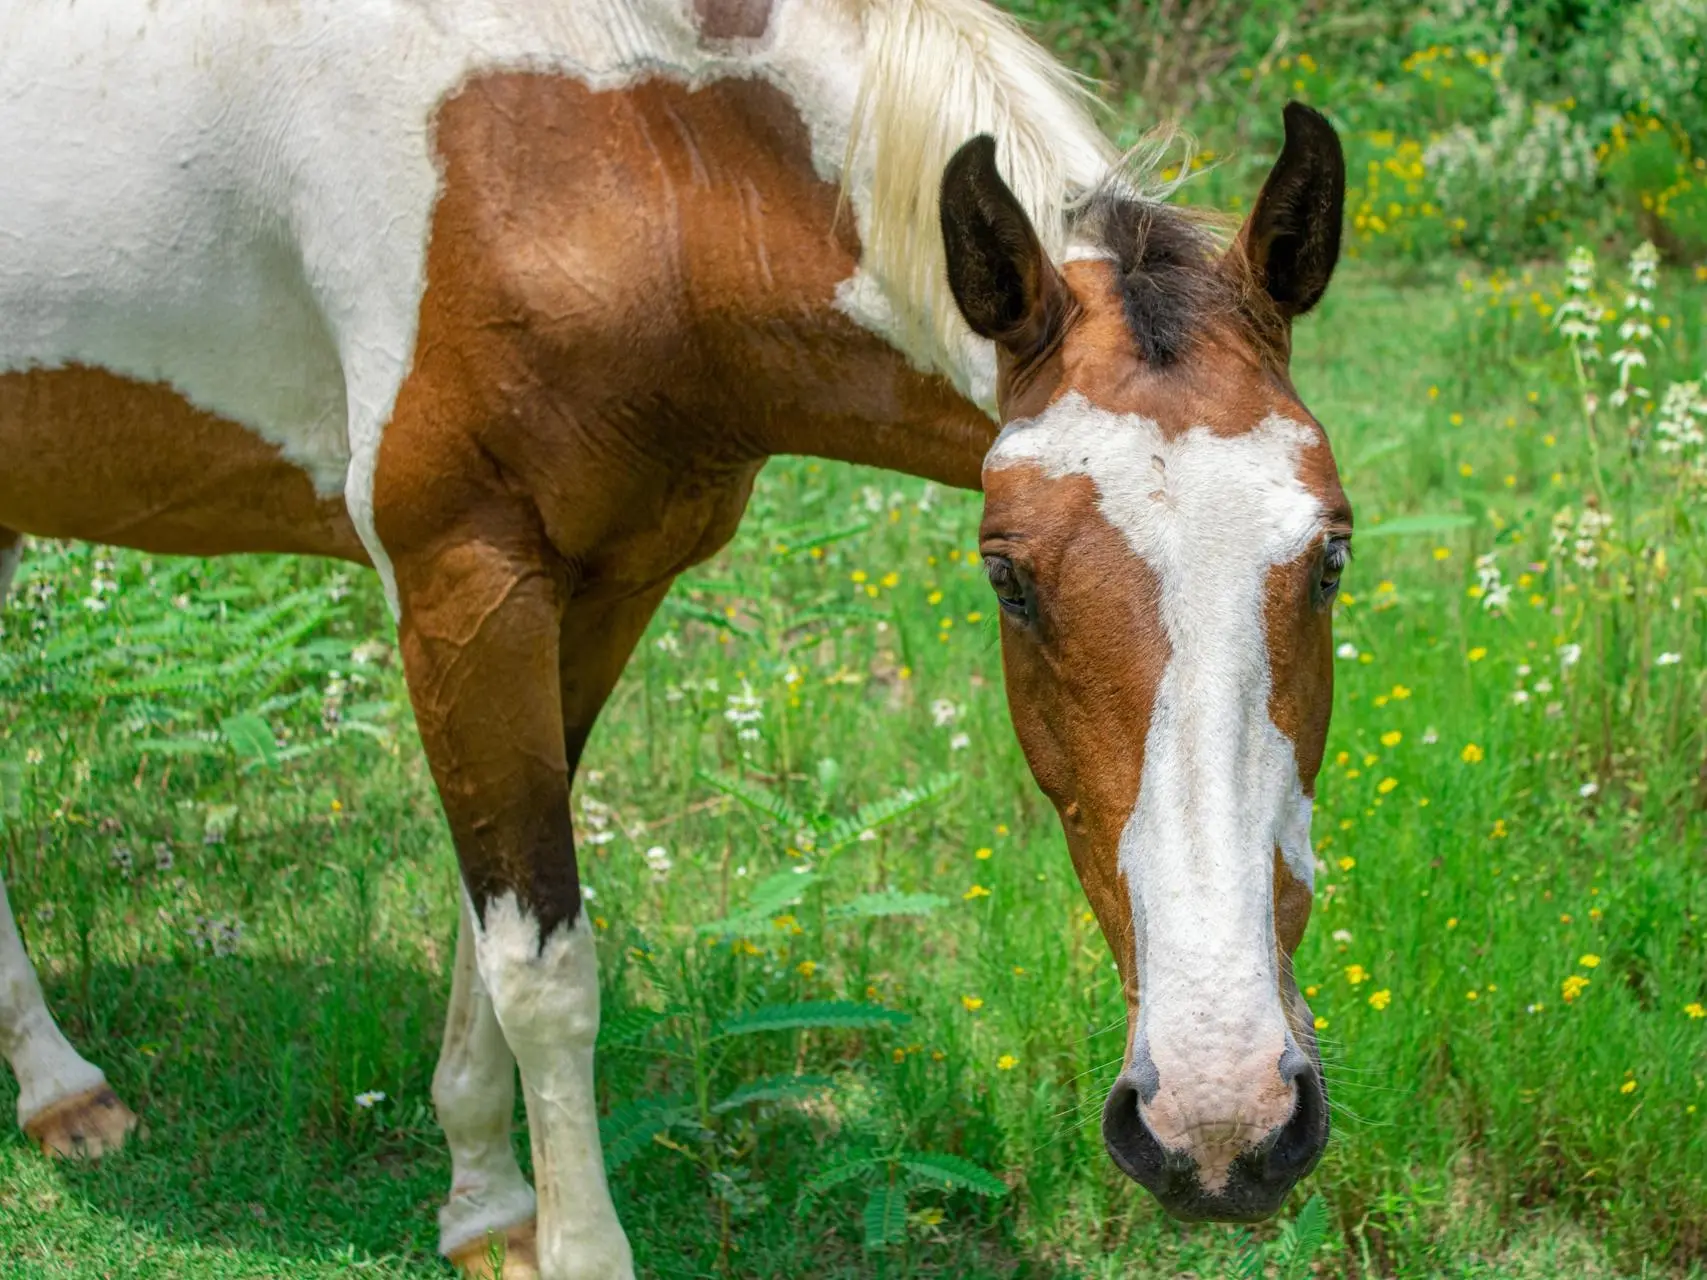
<point x="1210" y="515"/>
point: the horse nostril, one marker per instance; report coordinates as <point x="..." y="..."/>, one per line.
<point x="1301" y="1139"/>
<point x="1131" y="1144"/>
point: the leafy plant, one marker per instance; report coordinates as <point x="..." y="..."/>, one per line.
<point x="1290" y="1252"/>
<point x="890" y="1177"/>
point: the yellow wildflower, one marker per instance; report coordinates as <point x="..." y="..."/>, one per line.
<point x="1477" y="654"/>
<point x="1386" y="785"/>
<point x="1392" y="738"/>
<point x="1356" y="974"/>
<point x="1695" y="1009"/>
<point x="1590" y="961"/>
<point x="1629" y="1086"/>
<point x="983" y="854"/>
<point x="1400" y="693"/>
<point x="1346" y="864"/>
<point x="1321" y="1023"/>
<point x="976" y="891"/>
<point x="891" y="579"/>
<point x="1472" y="754"/>
<point x="806" y="968"/>
<point x="972" y="1003"/>
<point x="1007" y="1062"/>
<point x="1572" y="987"/>
<point x="1443" y="553"/>
<point x="1379" y="1000"/>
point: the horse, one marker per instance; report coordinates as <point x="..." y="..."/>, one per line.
<point x="510" y="302"/>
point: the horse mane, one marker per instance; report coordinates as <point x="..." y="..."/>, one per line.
<point x="937" y="72"/>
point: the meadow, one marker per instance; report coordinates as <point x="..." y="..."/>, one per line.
<point x="858" y="1019"/>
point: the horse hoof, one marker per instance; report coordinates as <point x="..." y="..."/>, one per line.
<point x="85" y="1126"/>
<point x="508" y="1257"/>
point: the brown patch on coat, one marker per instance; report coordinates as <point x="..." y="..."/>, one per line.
<point x="732" y="19"/>
<point x="104" y="458"/>
<point x="630" y="304"/>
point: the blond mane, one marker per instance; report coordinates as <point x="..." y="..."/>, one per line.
<point x="938" y="72"/>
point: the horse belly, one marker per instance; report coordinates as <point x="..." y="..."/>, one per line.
<point x="94" y="455"/>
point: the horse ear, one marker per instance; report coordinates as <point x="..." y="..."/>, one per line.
<point x="1291" y="241"/>
<point x="1002" y="280"/>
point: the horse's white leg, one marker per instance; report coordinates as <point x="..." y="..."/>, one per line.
<point x="474" y="1090"/>
<point x="547" y="1000"/>
<point x="11" y="551"/>
<point x="64" y="1103"/>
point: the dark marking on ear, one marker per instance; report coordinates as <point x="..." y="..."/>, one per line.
<point x="732" y="19"/>
<point x="1003" y="282"/>
<point x="1292" y="239"/>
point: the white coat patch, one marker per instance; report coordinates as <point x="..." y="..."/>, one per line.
<point x="1210" y="515"/>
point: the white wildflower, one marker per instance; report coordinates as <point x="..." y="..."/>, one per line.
<point x="367" y="1101"/>
<point x="1520" y="696"/>
<point x="658" y="861"/>
<point x="1347" y="650"/>
<point x="1588" y="789"/>
<point x="371" y="653"/>
<point x="1668" y="659"/>
<point x="1430" y="736"/>
<point x="1679" y="425"/>
<point x="943" y="712"/>
<point x="1496" y="593"/>
<point x="745" y="710"/>
<point x="959" y="742"/>
<point x="1342" y="936"/>
<point x="1569" y="655"/>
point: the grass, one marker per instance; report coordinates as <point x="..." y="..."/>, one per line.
<point x="275" y="937"/>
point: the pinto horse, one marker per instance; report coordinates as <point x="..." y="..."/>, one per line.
<point x="511" y="301"/>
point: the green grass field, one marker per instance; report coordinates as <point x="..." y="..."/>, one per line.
<point x="222" y="844"/>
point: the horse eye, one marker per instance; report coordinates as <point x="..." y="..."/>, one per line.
<point x="1008" y="585"/>
<point x="1334" y="557"/>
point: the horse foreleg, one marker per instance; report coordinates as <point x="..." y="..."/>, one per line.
<point x="491" y="1206"/>
<point x="481" y="629"/>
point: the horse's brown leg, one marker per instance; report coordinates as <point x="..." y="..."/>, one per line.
<point x="64" y="1104"/>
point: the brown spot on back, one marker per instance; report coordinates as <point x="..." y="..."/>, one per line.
<point x="732" y="19"/>
<point x="104" y="458"/>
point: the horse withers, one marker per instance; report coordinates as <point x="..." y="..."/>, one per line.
<point x="511" y="302"/>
